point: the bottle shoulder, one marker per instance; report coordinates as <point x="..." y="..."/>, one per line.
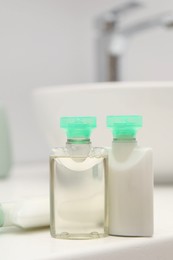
<point x="128" y="146"/>
<point x="93" y="152"/>
<point x="58" y="151"/>
<point x="145" y="152"/>
<point x="143" y="149"/>
<point x="130" y="157"/>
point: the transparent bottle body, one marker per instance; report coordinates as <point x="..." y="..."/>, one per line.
<point x="77" y="194"/>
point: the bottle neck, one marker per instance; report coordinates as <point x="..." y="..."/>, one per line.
<point x="78" y="147"/>
<point x="123" y="148"/>
<point x="78" y="141"/>
<point x="124" y="140"/>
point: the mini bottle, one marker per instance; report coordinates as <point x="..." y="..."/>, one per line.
<point x="130" y="182"/>
<point x="25" y="213"/>
<point x="77" y="184"/>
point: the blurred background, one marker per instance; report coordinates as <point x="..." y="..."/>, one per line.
<point x="53" y="42"/>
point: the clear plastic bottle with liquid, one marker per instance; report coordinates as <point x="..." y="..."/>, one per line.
<point x="78" y="183"/>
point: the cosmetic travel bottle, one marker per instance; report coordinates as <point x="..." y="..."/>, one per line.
<point x="130" y="182"/>
<point x="77" y="184"/>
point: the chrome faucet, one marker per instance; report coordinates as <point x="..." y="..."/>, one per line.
<point x="112" y="40"/>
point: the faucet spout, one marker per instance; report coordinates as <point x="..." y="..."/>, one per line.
<point x="109" y="19"/>
<point x="112" y="40"/>
<point x="161" y="20"/>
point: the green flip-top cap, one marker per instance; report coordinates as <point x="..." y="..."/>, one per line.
<point x="78" y="127"/>
<point x="124" y="127"/>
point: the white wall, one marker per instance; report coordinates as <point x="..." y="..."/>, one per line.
<point x="52" y="42"/>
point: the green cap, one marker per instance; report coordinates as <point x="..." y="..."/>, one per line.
<point x="124" y="127"/>
<point x="78" y="127"/>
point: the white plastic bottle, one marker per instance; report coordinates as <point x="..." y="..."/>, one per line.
<point x="130" y="180"/>
<point x="25" y="213"/>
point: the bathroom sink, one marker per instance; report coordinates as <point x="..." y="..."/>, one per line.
<point x="152" y="100"/>
<point x="31" y="180"/>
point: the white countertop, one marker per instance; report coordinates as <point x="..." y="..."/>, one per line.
<point x="33" y="180"/>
